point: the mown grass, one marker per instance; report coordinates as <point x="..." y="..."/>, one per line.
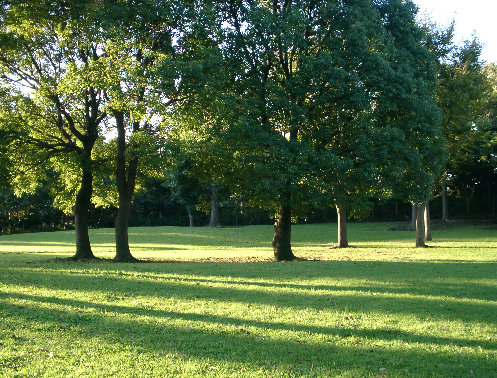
<point x="381" y="308"/>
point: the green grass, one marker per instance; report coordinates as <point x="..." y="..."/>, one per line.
<point x="381" y="308"/>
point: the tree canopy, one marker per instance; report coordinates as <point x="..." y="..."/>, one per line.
<point x="322" y="102"/>
<point x="289" y="105"/>
<point x="47" y="55"/>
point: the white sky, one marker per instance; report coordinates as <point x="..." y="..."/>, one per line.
<point x="471" y="16"/>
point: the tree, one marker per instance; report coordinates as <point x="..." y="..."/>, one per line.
<point x="214" y="218"/>
<point x="185" y="188"/>
<point x="423" y="146"/>
<point x="396" y="138"/>
<point x="30" y="211"/>
<point x="420" y="226"/>
<point x="487" y="127"/>
<point x="308" y="80"/>
<point x="269" y="51"/>
<point x="473" y="170"/>
<point x="47" y="55"/>
<point x="137" y="39"/>
<point x="157" y="55"/>
<point x="460" y="94"/>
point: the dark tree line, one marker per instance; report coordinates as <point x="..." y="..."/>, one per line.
<point x="155" y="205"/>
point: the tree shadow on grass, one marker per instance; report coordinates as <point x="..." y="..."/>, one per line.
<point x="414" y="289"/>
<point x="423" y="287"/>
<point x="431" y="277"/>
<point x="382" y="333"/>
<point x="339" y="350"/>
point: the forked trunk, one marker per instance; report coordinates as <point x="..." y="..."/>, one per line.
<point x="214" y="220"/>
<point x="445" y="203"/>
<point x="420" y="229"/>
<point x="190" y="215"/>
<point x="343" y="241"/>
<point x="125" y="189"/>
<point x="282" y="235"/>
<point x="81" y="208"/>
<point x="427" y="222"/>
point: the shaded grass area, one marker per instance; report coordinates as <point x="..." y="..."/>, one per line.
<point x="380" y="308"/>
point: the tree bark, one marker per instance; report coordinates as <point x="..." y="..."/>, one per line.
<point x="420" y="229"/>
<point x="81" y="208"/>
<point x="214" y="220"/>
<point x="190" y="215"/>
<point x="445" y="203"/>
<point x="427" y="222"/>
<point x="282" y="235"/>
<point x="412" y="226"/>
<point x="343" y="241"/>
<point x="121" y="223"/>
<point x="125" y="189"/>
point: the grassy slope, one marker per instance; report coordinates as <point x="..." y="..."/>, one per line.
<point x="380" y="308"/>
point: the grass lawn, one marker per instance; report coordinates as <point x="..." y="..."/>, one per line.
<point x="210" y="303"/>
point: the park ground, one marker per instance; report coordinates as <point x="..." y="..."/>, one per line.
<point x="209" y="302"/>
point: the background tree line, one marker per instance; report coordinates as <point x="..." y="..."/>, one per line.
<point x="154" y="205"/>
<point x="247" y="110"/>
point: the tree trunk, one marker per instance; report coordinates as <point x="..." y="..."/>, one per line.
<point x="125" y="189"/>
<point x="427" y="222"/>
<point x="282" y="235"/>
<point x="420" y="229"/>
<point x="121" y="223"/>
<point x="445" y="203"/>
<point x="81" y="208"/>
<point x="412" y="226"/>
<point x="190" y="215"/>
<point x="214" y="221"/>
<point x="343" y="241"/>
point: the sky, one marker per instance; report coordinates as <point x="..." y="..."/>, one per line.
<point x="477" y="17"/>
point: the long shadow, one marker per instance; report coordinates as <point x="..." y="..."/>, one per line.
<point x="406" y="274"/>
<point x="240" y="345"/>
<point x="451" y="290"/>
<point x="432" y="303"/>
<point x="431" y="288"/>
<point x="388" y="334"/>
<point x="350" y="269"/>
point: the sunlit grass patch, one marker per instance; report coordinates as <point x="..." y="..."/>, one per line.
<point x="379" y="308"/>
